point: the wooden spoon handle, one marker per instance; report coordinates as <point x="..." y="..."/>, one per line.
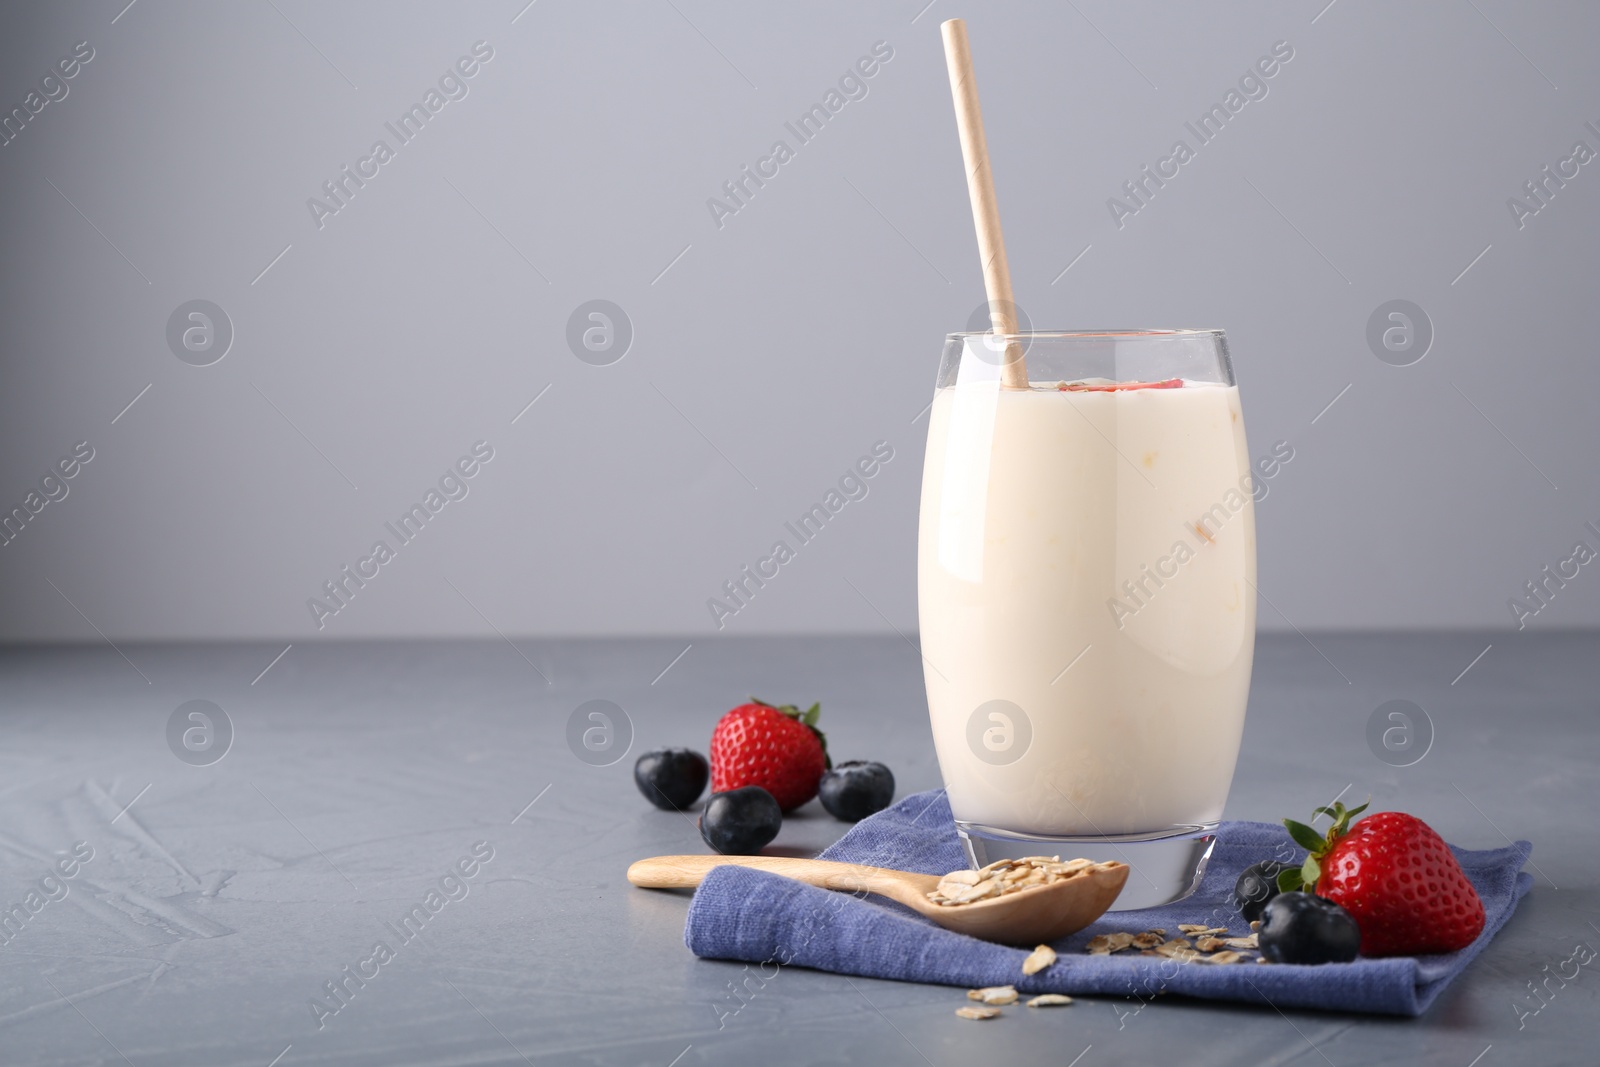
<point x="686" y="872"/>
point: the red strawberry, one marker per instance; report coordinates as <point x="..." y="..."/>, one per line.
<point x="778" y="748"/>
<point x="1395" y="876"/>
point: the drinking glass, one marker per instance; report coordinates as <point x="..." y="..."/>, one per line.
<point x="1086" y="590"/>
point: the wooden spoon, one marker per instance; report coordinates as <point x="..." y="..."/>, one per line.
<point x="1027" y="917"/>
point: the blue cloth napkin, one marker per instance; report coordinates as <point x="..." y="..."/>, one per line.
<point x="743" y="914"/>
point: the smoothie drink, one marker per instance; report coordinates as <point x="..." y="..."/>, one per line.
<point x="1086" y="587"/>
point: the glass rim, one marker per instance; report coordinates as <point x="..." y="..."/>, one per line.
<point x="1084" y="335"/>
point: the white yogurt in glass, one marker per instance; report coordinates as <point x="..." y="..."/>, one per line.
<point x="1087" y="557"/>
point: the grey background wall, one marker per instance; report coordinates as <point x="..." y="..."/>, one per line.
<point x="769" y="352"/>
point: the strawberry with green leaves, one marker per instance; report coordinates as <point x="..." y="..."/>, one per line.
<point x="1394" y="874"/>
<point x="777" y="748"/>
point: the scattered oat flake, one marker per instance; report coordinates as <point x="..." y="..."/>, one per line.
<point x="1048" y="1000"/>
<point x="1242" y="942"/>
<point x="1148" y="939"/>
<point x="970" y="1012"/>
<point x="1255" y="924"/>
<point x="1223" y="957"/>
<point x="1177" y="949"/>
<point x="1207" y="943"/>
<point x="1038" y="959"/>
<point x="1120" y="941"/>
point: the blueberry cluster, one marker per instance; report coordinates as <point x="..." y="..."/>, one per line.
<point x="1295" y="927"/>
<point x="741" y="822"/>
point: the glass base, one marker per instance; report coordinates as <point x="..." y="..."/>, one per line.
<point x="1165" y="866"/>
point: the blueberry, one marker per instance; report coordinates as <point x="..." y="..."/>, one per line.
<point x="740" y="821"/>
<point x="1303" y="928"/>
<point x="855" y="789"/>
<point x="1257" y="885"/>
<point x="671" y="778"/>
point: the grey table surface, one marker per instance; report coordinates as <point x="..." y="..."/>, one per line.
<point x="221" y="898"/>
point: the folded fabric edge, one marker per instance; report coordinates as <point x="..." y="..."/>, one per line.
<point x="1385" y="987"/>
<point x="703" y="937"/>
